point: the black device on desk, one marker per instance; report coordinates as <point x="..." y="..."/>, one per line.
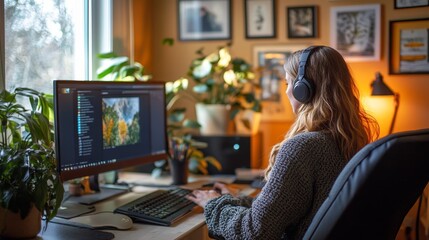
<point x="102" y="126"/>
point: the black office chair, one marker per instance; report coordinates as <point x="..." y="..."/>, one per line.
<point x="375" y="190"/>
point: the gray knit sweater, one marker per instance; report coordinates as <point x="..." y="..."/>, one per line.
<point x="306" y="167"/>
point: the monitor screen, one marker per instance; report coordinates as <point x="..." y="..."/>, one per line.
<point x="102" y="126"/>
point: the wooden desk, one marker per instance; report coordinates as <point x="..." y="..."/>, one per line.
<point x="192" y="226"/>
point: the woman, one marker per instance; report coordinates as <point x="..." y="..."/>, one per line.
<point x="330" y="127"/>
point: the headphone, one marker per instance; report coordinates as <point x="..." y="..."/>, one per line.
<point x="303" y="89"/>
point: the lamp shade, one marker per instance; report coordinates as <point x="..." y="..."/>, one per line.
<point x="379" y="87"/>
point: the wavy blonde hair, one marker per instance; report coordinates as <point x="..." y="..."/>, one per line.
<point x="335" y="106"/>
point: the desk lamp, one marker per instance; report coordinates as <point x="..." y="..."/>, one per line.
<point x="379" y="88"/>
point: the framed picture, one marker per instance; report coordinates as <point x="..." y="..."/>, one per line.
<point x="204" y="19"/>
<point x="411" y="3"/>
<point x="301" y="22"/>
<point x="355" y="32"/>
<point x="409" y="46"/>
<point x="269" y="62"/>
<point x="260" y="18"/>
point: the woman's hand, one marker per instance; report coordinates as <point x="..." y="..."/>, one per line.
<point x="201" y="197"/>
<point x="225" y="189"/>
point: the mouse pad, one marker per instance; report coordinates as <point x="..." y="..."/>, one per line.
<point x="57" y="231"/>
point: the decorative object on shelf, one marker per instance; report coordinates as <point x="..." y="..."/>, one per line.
<point x="204" y="20"/>
<point x="221" y="79"/>
<point x="269" y="61"/>
<point x="379" y="88"/>
<point x="302" y="22"/>
<point x="409" y="46"/>
<point x="411" y="4"/>
<point x="29" y="183"/>
<point x="260" y="18"/>
<point x="355" y="32"/>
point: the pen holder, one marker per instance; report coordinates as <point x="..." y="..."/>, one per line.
<point x="179" y="171"/>
<point x="178" y="162"/>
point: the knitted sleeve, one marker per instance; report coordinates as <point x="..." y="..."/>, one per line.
<point x="283" y="202"/>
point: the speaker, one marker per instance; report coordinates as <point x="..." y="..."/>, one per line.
<point x="303" y="89"/>
<point x="233" y="151"/>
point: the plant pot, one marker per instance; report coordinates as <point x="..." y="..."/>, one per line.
<point x="213" y="118"/>
<point x="12" y="226"/>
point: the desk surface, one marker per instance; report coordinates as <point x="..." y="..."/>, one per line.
<point x="192" y="226"/>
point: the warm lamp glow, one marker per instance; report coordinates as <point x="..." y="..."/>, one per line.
<point x="379" y="88"/>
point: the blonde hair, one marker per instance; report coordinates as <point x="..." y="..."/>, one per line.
<point x="335" y="106"/>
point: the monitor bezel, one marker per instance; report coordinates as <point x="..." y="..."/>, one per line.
<point x="94" y="170"/>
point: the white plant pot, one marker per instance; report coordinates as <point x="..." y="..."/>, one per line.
<point x="252" y="118"/>
<point x="214" y="118"/>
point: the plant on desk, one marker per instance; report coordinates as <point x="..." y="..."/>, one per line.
<point x="29" y="184"/>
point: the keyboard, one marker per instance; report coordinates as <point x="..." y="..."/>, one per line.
<point x="162" y="207"/>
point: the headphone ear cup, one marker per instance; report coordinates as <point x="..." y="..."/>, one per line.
<point x="302" y="90"/>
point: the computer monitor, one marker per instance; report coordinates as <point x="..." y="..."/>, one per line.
<point x="102" y="126"/>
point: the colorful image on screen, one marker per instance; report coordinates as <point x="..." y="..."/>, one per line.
<point x="120" y="121"/>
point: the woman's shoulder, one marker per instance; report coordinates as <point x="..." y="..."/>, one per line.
<point x="319" y="139"/>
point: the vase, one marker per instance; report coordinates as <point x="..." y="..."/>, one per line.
<point x="247" y="122"/>
<point x="213" y="118"/>
<point x="12" y="226"/>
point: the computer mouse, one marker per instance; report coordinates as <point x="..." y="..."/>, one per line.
<point x="106" y="220"/>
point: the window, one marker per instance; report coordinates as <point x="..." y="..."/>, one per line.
<point x="49" y="39"/>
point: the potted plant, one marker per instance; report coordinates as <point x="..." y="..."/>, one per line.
<point x="223" y="85"/>
<point x="29" y="185"/>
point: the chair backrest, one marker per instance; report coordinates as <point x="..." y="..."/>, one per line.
<point x="375" y="190"/>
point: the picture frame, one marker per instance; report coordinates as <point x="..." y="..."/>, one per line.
<point x="204" y="20"/>
<point x="356" y="42"/>
<point x="408" y="45"/>
<point x="260" y="18"/>
<point x="411" y="3"/>
<point x="301" y="21"/>
<point x="268" y="62"/>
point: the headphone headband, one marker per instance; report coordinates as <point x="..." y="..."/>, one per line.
<point x="303" y="89"/>
<point x="303" y="61"/>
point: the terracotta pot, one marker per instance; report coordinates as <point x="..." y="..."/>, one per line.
<point x="12" y="226"/>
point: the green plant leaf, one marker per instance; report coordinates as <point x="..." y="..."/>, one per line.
<point x="200" y="88"/>
<point x="213" y="161"/>
<point x="191" y="124"/>
<point x="106" y="55"/>
<point x="113" y="65"/>
<point x="168" y="41"/>
<point x="177" y="115"/>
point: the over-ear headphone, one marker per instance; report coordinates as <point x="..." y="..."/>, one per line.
<point x="303" y="89"/>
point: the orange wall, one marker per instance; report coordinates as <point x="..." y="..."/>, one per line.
<point x="168" y="63"/>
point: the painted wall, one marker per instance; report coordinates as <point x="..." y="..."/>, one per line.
<point x="171" y="62"/>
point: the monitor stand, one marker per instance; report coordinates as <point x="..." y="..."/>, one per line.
<point x="101" y="192"/>
<point x="74" y="206"/>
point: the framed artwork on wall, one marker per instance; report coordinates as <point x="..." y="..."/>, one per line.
<point x="260" y="18"/>
<point x="204" y="20"/>
<point x="409" y="46"/>
<point x="269" y="62"/>
<point x="355" y="32"/>
<point x="411" y="3"/>
<point x="301" y="22"/>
